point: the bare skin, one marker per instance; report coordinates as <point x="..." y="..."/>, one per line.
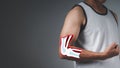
<point x="75" y="19"/>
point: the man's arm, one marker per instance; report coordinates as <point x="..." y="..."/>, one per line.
<point x="70" y="31"/>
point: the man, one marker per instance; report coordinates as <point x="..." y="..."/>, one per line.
<point x="90" y="36"/>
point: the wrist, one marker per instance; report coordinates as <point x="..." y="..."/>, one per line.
<point x="103" y="56"/>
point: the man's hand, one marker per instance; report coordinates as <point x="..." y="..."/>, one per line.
<point x="112" y="50"/>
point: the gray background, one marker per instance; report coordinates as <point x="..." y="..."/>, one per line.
<point x="29" y="32"/>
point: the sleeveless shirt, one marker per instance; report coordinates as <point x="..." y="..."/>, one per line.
<point x="100" y="31"/>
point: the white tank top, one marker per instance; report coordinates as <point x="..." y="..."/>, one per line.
<point x="100" y="31"/>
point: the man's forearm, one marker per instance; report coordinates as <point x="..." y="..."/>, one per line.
<point x="89" y="55"/>
<point x="85" y="55"/>
<point x="68" y="51"/>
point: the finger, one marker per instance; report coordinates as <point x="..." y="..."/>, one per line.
<point x="117" y="46"/>
<point x="117" y="49"/>
<point x="114" y="45"/>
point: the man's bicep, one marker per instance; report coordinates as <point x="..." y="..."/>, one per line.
<point x="70" y="29"/>
<point x="72" y="24"/>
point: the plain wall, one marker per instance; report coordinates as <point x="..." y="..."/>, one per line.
<point x="29" y="32"/>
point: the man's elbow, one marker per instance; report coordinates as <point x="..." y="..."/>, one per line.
<point x="61" y="56"/>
